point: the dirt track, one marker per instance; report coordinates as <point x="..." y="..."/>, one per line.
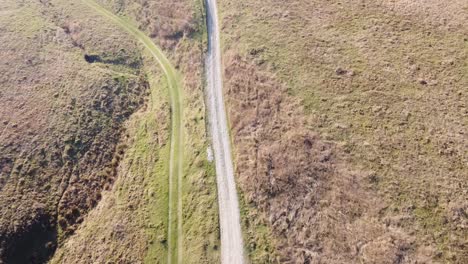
<point x="176" y="155"/>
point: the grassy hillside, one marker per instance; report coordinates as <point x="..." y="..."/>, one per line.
<point x="382" y="89"/>
<point x="61" y="121"/>
<point x="138" y="204"/>
<point x="85" y="136"/>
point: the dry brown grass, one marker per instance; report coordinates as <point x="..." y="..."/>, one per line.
<point x="317" y="210"/>
<point x="165" y="22"/>
<point x="383" y="86"/>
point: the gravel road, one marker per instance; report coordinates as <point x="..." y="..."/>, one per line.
<point x="229" y="217"/>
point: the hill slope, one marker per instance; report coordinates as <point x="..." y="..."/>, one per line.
<point x="62" y="116"/>
<point x="85" y="131"/>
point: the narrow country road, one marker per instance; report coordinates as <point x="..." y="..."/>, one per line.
<point x="229" y="215"/>
<point x="174" y="232"/>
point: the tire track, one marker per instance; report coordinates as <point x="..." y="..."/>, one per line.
<point x="174" y="232"/>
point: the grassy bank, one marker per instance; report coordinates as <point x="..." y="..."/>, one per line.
<point x="144" y="196"/>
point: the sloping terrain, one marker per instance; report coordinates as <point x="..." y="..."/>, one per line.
<point x="132" y="218"/>
<point x="82" y="106"/>
<point x="349" y="123"/>
<point x="62" y="115"/>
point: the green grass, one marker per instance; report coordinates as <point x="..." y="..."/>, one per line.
<point x="155" y="171"/>
<point x="175" y="156"/>
<point x="259" y="243"/>
<point x="183" y="213"/>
